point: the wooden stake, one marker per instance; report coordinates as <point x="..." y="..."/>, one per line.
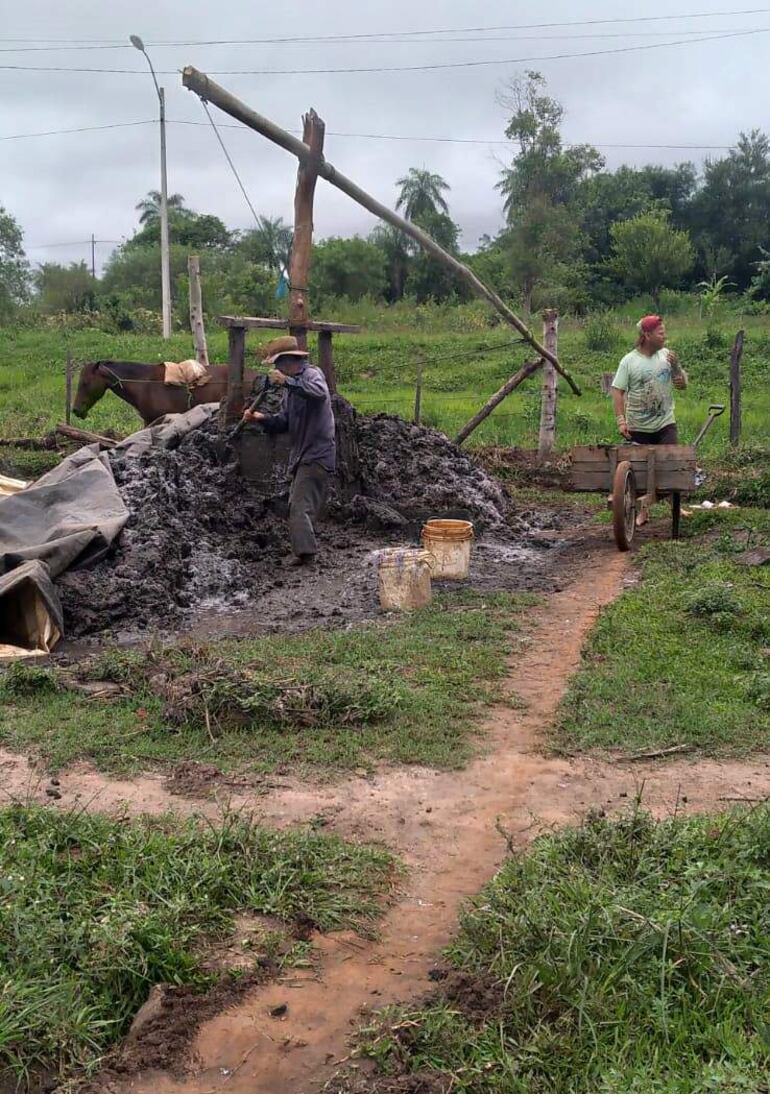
<point x="735" y="389"/>
<point x="418" y="395"/>
<point x="68" y="386"/>
<point x="196" y="311"/>
<point x="232" y="405"/>
<point x="212" y="92"/>
<point x="547" y="436"/>
<point x="84" y="435"/>
<point x="313" y="129"/>
<point x="526" y="370"/>
<point x="326" y="359"/>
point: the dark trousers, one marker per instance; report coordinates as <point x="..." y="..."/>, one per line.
<point x="666" y="435"/>
<point x="309" y="489"/>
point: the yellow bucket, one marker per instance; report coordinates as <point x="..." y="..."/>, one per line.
<point x="403" y="578"/>
<point x="449" y="542"/>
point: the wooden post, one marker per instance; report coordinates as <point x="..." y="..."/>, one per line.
<point x="418" y="395"/>
<point x="526" y="370"/>
<point x="326" y="359"/>
<point x="232" y="404"/>
<point x="68" y="383"/>
<point x="196" y="311"/>
<point x="547" y="436"/>
<point x="213" y="93"/>
<point x="735" y="389"/>
<point x="313" y="129"/>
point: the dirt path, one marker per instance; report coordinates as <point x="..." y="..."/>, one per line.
<point x="444" y="826"/>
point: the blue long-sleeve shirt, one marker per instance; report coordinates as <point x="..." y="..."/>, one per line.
<point x="306" y="414"/>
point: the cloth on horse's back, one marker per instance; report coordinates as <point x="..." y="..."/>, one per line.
<point x="186" y="373"/>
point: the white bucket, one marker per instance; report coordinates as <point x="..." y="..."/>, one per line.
<point x="449" y="542"/>
<point x="404" y="578"/>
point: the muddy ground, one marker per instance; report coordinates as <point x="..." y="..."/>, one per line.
<point x="206" y="549"/>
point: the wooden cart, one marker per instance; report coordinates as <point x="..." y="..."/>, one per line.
<point x="636" y="475"/>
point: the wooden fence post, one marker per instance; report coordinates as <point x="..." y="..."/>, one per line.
<point x="735" y="389"/>
<point x="232" y="406"/>
<point x="547" y="438"/>
<point x="326" y="360"/>
<point x="418" y="395"/>
<point x="302" y="243"/>
<point x="68" y="404"/>
<point x="196" y="311"/>
<point x="527" y="369"/>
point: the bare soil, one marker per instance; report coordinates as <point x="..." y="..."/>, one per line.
<point x="451" y="828"/>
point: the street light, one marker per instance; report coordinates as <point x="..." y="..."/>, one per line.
<point x="165" y="269"/>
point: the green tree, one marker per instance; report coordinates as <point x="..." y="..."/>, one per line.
<point x="14" y="268"/>
<point x="393" y="244"/>
<point x="730" y="214"/>
<point x="421" y="192"/>
<point x="65" y="288"/>
<point x="347" y="267"/>
<point x="648" y="254"/>
<point x="427" y="278"/>
<point x="541" y="187"/>
<point x="268" y="244"/>
<point x="149" y="207"/>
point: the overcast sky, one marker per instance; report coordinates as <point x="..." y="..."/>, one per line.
<point x="62" y="188"/>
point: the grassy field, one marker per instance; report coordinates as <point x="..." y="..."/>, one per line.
<point x="96" y="911"/>
<point x="377" y="371"/>
<point x="682" y="658"/>
<point x="620" y="956"/>
<point x="324" y="700"/>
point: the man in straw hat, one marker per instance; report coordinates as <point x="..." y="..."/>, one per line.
<point x="642" y="390"/>
<point x="306" y="414"/>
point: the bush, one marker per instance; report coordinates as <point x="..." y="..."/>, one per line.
<point x="601" y="334"/>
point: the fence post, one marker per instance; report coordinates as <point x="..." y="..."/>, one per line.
<point x="196" y="311"/>
<point x="735" y="389"/>
<point x="68" y="404"/>
<point x="418" y="395"/>
<point x="547" y="436"/>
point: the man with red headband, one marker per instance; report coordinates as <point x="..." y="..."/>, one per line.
<point x="642" y="390"/>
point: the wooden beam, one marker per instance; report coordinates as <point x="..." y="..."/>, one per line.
<point x="85" y="436"/>
<point x="232" y="404"/>
<point x="68" y="389"/>
<point x="526" y="370"/>
<point x="735" y="389"/>
<point x="250" y="322"/>
<point x="196" y="311"/>
<point x="313" y="129"/>
<point x="547" y="437"/>
<point x="326" y="359"/>
<point x="213" y="93"/>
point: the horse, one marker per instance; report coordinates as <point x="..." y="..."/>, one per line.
<point x="143" y="387"/>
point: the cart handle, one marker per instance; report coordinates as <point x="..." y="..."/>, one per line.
<point x="714" y="411"/>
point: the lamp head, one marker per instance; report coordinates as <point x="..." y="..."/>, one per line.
<point x="136" y="42"/>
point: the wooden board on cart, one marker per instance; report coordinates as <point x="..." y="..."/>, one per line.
<point x="593" y="466"/>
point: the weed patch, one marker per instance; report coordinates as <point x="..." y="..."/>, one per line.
<point x="680" y="659"/>
<point x="625" y="955"/>
<point x="96" y="911"/>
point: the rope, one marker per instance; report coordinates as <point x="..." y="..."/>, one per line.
<point x="205" y="106"/>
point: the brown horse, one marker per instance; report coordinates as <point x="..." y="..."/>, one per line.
<point x="143" y="388"/>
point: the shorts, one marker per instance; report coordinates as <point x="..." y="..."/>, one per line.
<point x="667" y="435"/>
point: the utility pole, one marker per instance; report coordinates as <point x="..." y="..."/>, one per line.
<point x="93" y="257"/>
<point x="165" y="268"/>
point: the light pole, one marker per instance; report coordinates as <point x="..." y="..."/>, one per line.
<point x="165" y="269"/>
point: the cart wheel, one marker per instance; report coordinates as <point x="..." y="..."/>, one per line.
<point x="624" y="505"/>
<point x="676" y="513"/>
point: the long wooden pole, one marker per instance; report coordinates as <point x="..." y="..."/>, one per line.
<point x="526" y="370"/>
<point x="196" y="311"/>
<point x="547" y="437"/>
<point x="202" y="85"/>
<point x="735" y="389"/>
<point x="313" y="129"/>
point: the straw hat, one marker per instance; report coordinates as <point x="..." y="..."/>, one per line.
<point x="281" y="347"/>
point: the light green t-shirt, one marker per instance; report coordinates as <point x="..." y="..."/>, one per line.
<point x="649" y="391"/>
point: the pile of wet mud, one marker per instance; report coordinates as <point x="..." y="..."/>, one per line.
<point x="200" y="537"/>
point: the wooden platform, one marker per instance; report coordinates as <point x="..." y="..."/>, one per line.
<point x="250" y="322"/>
<point x="593" y="466"/>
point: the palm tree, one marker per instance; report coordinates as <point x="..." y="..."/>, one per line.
<point x="421" y="192"/>
<point x="149" y="207"/>
<point x="269" y="243"/>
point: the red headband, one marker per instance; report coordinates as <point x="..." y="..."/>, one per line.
<point x="650" y="323"/>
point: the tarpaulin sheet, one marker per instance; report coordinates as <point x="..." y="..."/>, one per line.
<point x="69" y="518"/>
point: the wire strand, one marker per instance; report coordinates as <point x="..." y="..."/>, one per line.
<point x="205" y="106"/>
